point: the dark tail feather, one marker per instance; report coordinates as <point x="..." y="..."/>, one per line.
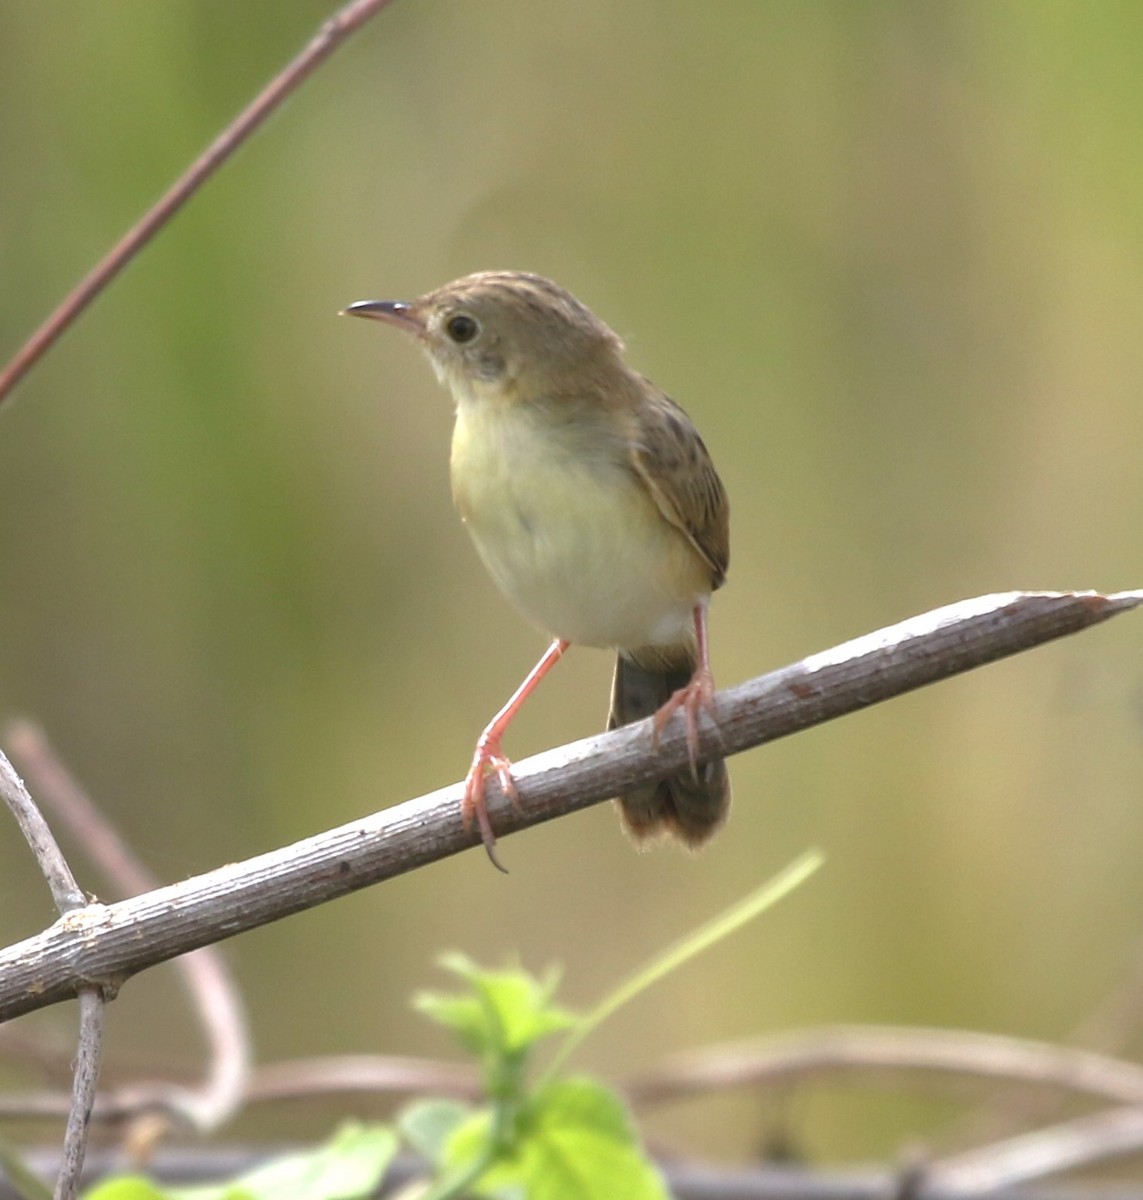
<point x="690" y="805"/>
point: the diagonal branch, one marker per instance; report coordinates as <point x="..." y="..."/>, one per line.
<point x="1086" y="1141"/>
<point x="67" y="894"/>
<point x="332" y="34"/>
<point x="69" y="898"/>
<point x="211" y="989"/>
<point x="107" y="944"/>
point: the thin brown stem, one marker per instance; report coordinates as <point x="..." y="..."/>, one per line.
<point x="333" y="33"/>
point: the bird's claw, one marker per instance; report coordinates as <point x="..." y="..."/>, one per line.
<point x="696" y="697"/>
<point x="488" y="760"/>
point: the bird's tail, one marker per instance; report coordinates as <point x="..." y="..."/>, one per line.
<point x="692" y="804"/>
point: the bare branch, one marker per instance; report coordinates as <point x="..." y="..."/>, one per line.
<point x="106" y="945"/>
<point x="65" y="891"/>
<point x="86" y="1079"/>
<point x="332" y="34"/>
<point x="1106" y="1030"/>
<point x="1117" y="1018"/>
<point x="1084" y="1142"/>
<point x="69" y="898"/>
<point x="304" y="1079"/>
<point x="60" y="793"/>
<point x="983" y="1059"/>
<point x="213" y="992"/>
<point x="372" y="1074"/>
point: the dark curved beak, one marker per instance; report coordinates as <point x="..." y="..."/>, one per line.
<point x="392" y="312"/>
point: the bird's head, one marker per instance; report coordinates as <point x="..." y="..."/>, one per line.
<point x="504" y="335"/>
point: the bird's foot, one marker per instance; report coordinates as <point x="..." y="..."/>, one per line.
<point x="488" y="760"/>
<point x="696" y="697"/>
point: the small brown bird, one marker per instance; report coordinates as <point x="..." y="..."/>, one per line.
<point x="595" y="506"/>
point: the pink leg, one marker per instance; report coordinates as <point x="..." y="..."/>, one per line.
<point x="489" y="760"/>
<point x="698" y="694"/>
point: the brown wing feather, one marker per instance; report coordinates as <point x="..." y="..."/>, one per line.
<point x="670" y="457"/>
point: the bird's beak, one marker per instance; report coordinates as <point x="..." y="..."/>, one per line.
<point x="392" y="312"/>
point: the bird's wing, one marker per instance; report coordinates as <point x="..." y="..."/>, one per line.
<point x="670" y="458"/>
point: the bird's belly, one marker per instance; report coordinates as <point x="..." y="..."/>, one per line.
<point x="580" y="548"/>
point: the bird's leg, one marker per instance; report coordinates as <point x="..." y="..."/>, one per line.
<point x="697" y="695"/>
<point x="489" y="760"/>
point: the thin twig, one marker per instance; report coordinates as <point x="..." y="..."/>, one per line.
<point x="362" y="1074"/>
<point x="61" y="793"/>
<point x="86" y="1079"/>
<point x="302" y="1079"/>
<point x="152" y="928"/>
<point x="215" y="998"/>
<point x="333" y="33"/>
<point x="895" y="1053"/>
<point x="1118" y="1017"/>
<point x="66" y="893"/>
<point x="69" y="899"/>
<point x="1083" y="1142"/>
<point x="1106" y="1030"/>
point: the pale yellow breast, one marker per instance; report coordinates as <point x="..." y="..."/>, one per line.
<point x="570" y="534"/>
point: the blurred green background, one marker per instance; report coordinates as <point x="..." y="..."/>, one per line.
<point x="890" y="258"/>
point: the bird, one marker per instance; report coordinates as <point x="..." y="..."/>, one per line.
<point x="595" y="506"/>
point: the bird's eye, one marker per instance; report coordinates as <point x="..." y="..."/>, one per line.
<point x="461" y="328"/>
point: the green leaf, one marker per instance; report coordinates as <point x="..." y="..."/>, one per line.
<point x="506" y="1014"/>
<point x="351" y="1164"/>
<point x="427" y="1125"/>
<point x="574" y="1140"/>
<point x="469" y="1142"/>
<point x="464" y="1015"/>
<point x="586" y="1105"/>
<point x="126" y="1187"/>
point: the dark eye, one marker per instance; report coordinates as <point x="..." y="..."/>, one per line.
<point x="462" y="328"/>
